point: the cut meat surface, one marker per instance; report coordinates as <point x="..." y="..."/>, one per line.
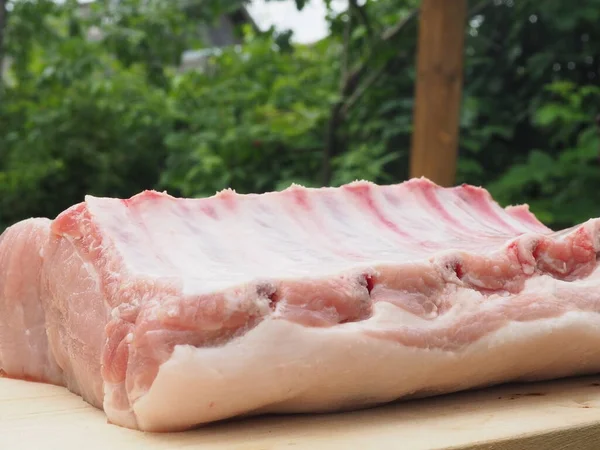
<point x="170" y="313"/>
<point x="24" y="350"/>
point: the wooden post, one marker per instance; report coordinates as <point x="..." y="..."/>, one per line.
<point x="438" y="90"/>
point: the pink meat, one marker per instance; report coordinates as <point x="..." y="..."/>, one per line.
<point x="24" y="350"/>
<point x="169" y="313"/>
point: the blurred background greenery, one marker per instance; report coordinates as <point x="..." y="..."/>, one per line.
<point x="190" y="96"/>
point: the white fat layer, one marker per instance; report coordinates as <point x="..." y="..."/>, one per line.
<point x="283" y="367"/>
<point x="123" y="417"/>
<point x="209" y="246"/>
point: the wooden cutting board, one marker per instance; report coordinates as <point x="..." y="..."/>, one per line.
<point x="553" y="415"/>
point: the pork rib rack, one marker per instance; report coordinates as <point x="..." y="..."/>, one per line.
<point x="168" y="313"/>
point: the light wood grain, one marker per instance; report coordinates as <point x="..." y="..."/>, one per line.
<point x="554" y="415"/>
<point x="438" y="90"/>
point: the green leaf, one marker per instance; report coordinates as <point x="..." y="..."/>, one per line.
<point x="550" y="113"/>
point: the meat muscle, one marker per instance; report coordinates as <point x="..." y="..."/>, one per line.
<point x="168" y="313"/>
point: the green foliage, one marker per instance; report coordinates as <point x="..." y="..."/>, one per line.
<point x="528" y="127"/>
<point x="251" y="120"/>
<point x="81" y="142"/>
<point x="74" y="118"/>
<point x="562" y="188"/>
<point x="113" y="115"/>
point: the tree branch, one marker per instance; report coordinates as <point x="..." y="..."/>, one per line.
<point x="346" y="50"/>
<point x="362" y="14"/>
<point x="479" y="7"/>
<point x="3" y="16"/>
<point x="364" y="87"/>
<point x="598" y="129"/>
<point x="349" y="86"/>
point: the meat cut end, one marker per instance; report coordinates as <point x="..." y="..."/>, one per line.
<point x="24" y="350"/>
<point x="169" y="313"/>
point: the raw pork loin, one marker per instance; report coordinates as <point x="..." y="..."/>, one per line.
<point x="169" y="313"/>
